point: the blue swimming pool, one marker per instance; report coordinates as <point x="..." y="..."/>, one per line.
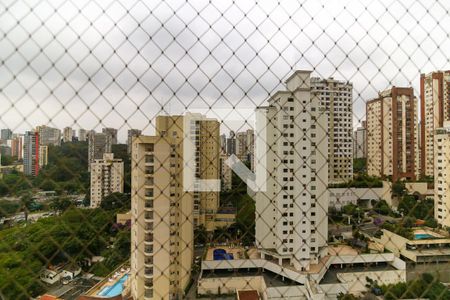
<point x="114" y="290"/>
<point x="423" y="236"/>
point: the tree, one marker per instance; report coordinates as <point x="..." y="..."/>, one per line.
<point x="26" y="201"/>
<point x="116" y="201"/>
<point x="60" y="204"/>
<point x="398" y="189"/>
<point x="4" y="190"/>
<point x="6" y="160"/>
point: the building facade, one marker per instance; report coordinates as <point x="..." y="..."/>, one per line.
<point x="291" y="213"/>
<point x="359" y="143"/>
<point x="82" y="135"/>
<point x="106" y="178"/>
<point x="442" y="175"/>
<point x="68" y="134"/>
<point x="231" y="143"/>
<point x="112" y="132"/>
<point x="204" y="134"/>
<point x="49" y="136"/>
<point x="391" y="134"/>
<point x="132" y="133"/>
<point x="162" y="232"/>
<point x="434" y="111"/>
<point x="336" y="98"/>
<point x="6" y="134"/>
<point x="225" y="174"/>
<point x="17" y="146"/>
<point x="43" y="156"/>
<point x="31" y="153"/>
<point x="99" y="143"/>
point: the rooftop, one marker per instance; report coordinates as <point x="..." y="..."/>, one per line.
<point x="248" y="295"/>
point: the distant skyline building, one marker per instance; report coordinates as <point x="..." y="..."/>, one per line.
<point x="107" y="177"/>
<point x="132" y="133"/>
<point x="359" y="142"/>
<point x="31" y="153"/>
<point x="112" y="132"/>
<point x="434" y="111"/>
<point x="82" y="135"/>
<point x="223" y="143"/>
<point x="68" y="134"/>
<point x="442" y="175"/>
<point x="6" y="134"/>
<point x="231" y="143"/>
<point x="99" y="144"/>
<point x="391" y="134"/>
<point x="336" y="99"/>
<point x="49" y="136"/>
<point x="17" y="146"/>
<point x="225" y="174"/>
<point x="43" y="156"/>
<point x="291" y="213"/>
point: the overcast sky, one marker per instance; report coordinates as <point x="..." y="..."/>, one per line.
<point x="121" y="63"/>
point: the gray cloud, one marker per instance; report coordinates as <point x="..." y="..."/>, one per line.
<point x="119" y="63"/>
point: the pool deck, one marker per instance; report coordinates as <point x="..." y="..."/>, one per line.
<point x="109" y="281"/>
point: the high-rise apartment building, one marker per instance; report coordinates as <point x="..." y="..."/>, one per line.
<point x="204" y="133"/>
<point x="49" y="136"/>
<point x="43" y="156"/>
<point x="17" y="146"/>
<point x="6" y="134"/>
<point x="112" y="132"/>
<point x="231" y="143"/>
<point x="132" y="133"/>
<point x="291" y="213"/>
<point x="434" y="111"/>
<point x="223" y="143"/>
<point x="106" y="178"/>
<point x="442" y="175"/>
<point x="359" y="142"/>
<point x="225" y="174"/>
<point x="165" y="206"/>
<point x="68" y="134"/>
<point x="31" y="153"/>
<point x="82" y="135"/>
<point x="391" y="134"/>
<point x="336" y="98"/>
<point x="99" y="143"/>
<point x="245" y="145"/>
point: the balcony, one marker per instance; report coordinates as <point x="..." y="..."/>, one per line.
<point x="148" y="272"/>
<point x="148" y="249"/>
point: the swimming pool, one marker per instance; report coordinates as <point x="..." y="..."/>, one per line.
<point x="115" y="289"/>
<point x="423" y="236"/>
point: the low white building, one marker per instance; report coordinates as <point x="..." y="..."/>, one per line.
<point x="106" y="178"/>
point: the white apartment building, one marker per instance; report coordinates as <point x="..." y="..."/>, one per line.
<point x="291" y="214"/>
<point x="359" y="143"/>
<point x="336" y="98"/>
<point x="106" y="178"/>
<point x="442" y="175"/>
<point x="68" y="134"/>
<point x="82" y="135"/>
<point x="434" y="111"/>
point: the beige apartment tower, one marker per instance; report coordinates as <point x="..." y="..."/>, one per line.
<point x="204" y="134"/>
<point x="106" y="178"/>
<point x="434" y="111"/>
<point x="442" y="175"/>
<point x="391" y="134"/>
<point x="336" y="99"/>
<point x="291" y="211"/>
<point x="164" y="209"/>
